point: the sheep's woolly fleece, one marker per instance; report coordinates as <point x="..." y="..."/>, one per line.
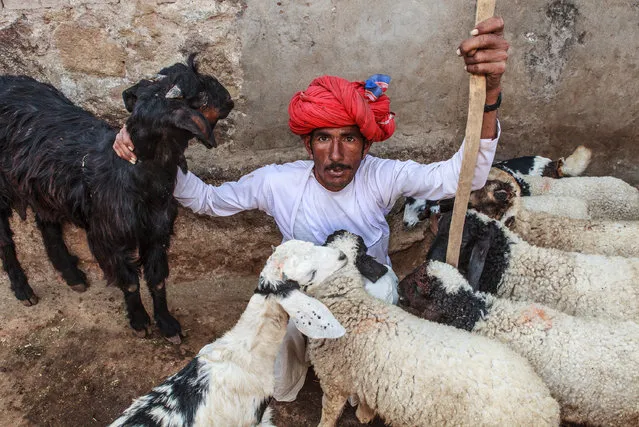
<point x="590" y="365"/>
<point x="577" y="284"/>
<point x="607" y="197"/>
<point x="612" y="238"/>
<point x="413" y="372"/>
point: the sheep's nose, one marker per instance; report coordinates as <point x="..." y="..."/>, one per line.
<point x="342" y="256"/>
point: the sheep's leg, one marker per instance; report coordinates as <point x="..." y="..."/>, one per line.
<point x="59" y="255"/>
<point x="333" y="402"/>
<point x="153" y="246"/>
<point x="120" y="268"/>
<point x="17" y="278"/>
<point x="364" y="413"/>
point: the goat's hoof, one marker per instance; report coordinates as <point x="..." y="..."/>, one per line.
<point x="80" y="287"/>
<point x="141" y="333"/>
<point x="32" y="300"/>
<point x="175" y="339"/>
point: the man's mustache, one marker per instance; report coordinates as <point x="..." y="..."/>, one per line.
<point x="337" y="166"/>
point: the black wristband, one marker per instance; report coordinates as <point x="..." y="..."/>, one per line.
<point x="493" y="107"/>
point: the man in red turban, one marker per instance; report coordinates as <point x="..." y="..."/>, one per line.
<point x="342" y="187"/>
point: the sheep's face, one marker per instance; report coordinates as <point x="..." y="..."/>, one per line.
<point x="438" y="292"/>
<point x="355" y="249"/>
<point x="494" y="199"/>
<point x="302" y="263"/>
<point x="415" y="210"/>
<point x="296" y="264"/>
<point x="177" y="105"/>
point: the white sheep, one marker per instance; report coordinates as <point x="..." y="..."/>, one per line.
<point x="589" y="236"/>
<point x="413" y="372"/>
<point x="591" y="366"/>
<point x="230" y="381"/>
<point x="577" y="284"/>
<point x="608" y="198"/>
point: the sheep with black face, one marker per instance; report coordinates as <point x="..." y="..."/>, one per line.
<point x="591" y="366"/>
<point x="56" y="158"/>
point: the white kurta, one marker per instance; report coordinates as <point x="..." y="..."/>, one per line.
<point x="305" y="210"/>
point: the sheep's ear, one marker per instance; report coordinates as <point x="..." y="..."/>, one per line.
<point x="370" y="268"/>
<point x="196" y="123"/>
<point x="311" y="317"/>
<point x="478" y="258"/>
<point x="439" y="246"/>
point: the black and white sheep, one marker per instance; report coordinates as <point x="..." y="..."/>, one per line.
<point x="413" y="372"/>
<point x="591" y="366"/>
<point x="573" y="165"/>
<point x="499" y="200"/>
<point x="230" y="382"/>
<point x="56" y="159"/>
<point x="416" y="210"/>
<point x="577" y="284"/>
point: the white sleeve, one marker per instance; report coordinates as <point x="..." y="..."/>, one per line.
<point x="433" y="181"/>
<point x="250" y="192"/>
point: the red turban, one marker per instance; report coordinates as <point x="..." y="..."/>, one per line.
<point x="331" y="102"/>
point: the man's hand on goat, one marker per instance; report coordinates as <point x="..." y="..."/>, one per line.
<point x="123" y="146"/>
<point x="486" y="52"/>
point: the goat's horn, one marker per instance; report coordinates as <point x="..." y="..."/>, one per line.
<point x="174" y="92"/>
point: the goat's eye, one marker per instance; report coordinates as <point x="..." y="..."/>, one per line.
<point x="313" y="273"/>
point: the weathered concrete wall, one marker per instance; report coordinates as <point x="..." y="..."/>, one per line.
<point x="572" y="74"/>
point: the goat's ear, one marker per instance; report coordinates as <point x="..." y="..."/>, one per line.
<point x="478" y="257"/>
<point x="370" y="268"/>
<point x="194" y="122"/>
<point x="311" y="317"/>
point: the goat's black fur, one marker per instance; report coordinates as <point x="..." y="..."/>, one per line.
<point x="57" y="159"/>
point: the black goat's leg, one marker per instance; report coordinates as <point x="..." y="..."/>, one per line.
<point x="59" y="255"/>
<point x="17" y="278"/>
<point x="153" y="248"/>
<point x="120" y="268"/>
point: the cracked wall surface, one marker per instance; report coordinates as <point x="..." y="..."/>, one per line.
<point x="572" y="74"/>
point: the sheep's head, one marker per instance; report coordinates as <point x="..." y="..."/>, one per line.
<point x="295" y="265"/>
<point x="355" y="249"/>
<point x="479" y="235"/>
<point x="177" y="105"/>
<point x="494" y="199"/>
<point x="438" y="292"/>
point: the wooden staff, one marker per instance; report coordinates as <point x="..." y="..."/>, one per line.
<point x="476" y="101"/>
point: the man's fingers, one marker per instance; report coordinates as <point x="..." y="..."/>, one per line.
<point x="483" y="41"/>
<point x="486" y="55"/>
<point x="491" y="25"/>
<point x="490" y="68"/>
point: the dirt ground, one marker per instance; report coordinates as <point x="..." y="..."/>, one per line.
<point x="72" y="360"/>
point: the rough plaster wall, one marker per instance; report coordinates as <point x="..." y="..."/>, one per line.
<point x="572" y="75"/>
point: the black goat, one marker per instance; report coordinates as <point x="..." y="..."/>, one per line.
<point x="57" y="159"/>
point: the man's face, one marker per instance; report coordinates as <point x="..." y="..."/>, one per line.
<point x="337" y="153"/>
